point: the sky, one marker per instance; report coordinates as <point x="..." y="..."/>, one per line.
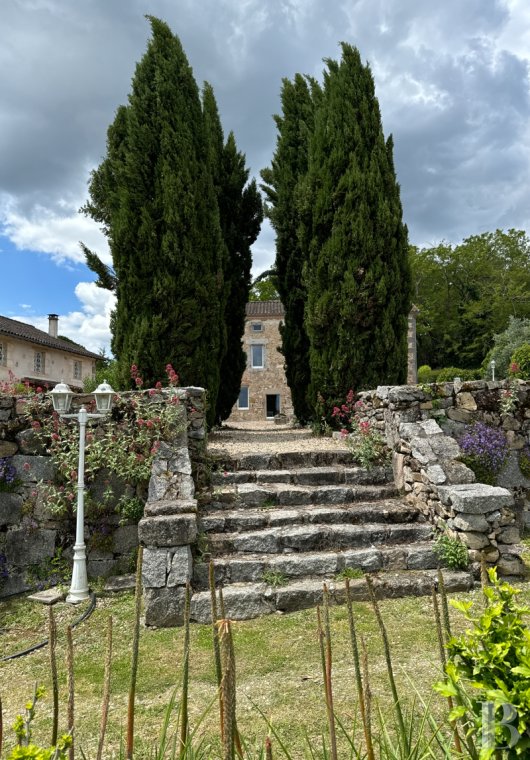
<point x="452" y="81"/>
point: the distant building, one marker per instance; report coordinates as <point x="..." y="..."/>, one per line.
<point x="264" y="390"/>
<point x="42" y="358"/>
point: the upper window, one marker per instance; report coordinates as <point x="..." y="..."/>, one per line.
<point x="39" y="362"/>
<point x="256" y="357"/>
<point x="256" y="326"/>
<point x="78" y="370"/>
<point x="3" y="353"/>
<point x="242" y="402"/>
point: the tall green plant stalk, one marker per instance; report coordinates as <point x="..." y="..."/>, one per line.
<point x="388" y="658"/>
<point x="221" y="603"/>
<point x="52" y="641"/>
<point x="358" y="676"/>
<point x="328" y="677"/>
<point x="106" y="692"/>
<point x="185" y="676"/>
<point x="1" y="726"/>
<point x="445" y="606"/>
<point x="228" y="689"/>
<point x="484" y="578"/>
<point x="215" y="630"/>
<point x="367" y="689"/>
<point x="134" y="662"/>
<point x="443" y="660"/>
<point x="70" y="682"/>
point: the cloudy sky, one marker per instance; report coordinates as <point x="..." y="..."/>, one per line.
<point x="452" y="81"/>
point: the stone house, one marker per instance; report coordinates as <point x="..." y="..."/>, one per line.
<point x="264" y="390"/>
<point x="41" y="358"/>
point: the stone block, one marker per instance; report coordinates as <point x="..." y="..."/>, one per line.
<point x="460" y="415"/>
<point x="509" y="535"/>
<point x="167" y="486"/>
<point x="511" y="476"/>
<point x="10" y="508"/>
<point x="8" y="448"/>
<point x="469" y="522"/>
<point x="29" y="547"/>
<point x="475" y="498"/>
<point x="398" y="461"/>
<point x="431" y="427"/>
<point x="240" y="603"/>
<point x="31" y="469"/>
<point x="29" y="442"/>
<point x="125" y="539"/>
<point x="170" y="507"/>
<point x="473" y="540"/>
<point x="422" y="451"/>
<point x="444" y="447"/>
<point x="466" y="400"/>
<point x="510" y="565"/>
<point x="164" y="607"/>
<point x="167" y="530"/>
<point x="435" y="474"/>
<point x="100" y="568"/>
<point x="181" y="567"/>
<point x="155" y="567"/>
<point x="458" y="473"/>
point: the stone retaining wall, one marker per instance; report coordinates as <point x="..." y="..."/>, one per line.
<point x="30" y="536"/>
<point x="422" y="425"/>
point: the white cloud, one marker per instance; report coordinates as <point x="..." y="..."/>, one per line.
<point x="90" y="326"/>
<point x="57" y="234"/>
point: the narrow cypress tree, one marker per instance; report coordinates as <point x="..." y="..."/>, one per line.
<point x="155" y="197"/>
<point x="285" y="187"/>
<point x="240" y="216"/>
<point x="358" y="277"/>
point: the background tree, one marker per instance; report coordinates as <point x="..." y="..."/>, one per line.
<point x="155" y="198"/>
<point x="467" y="293"/>
<point x="240" y="216"/>
<point x="265" y="287"/>
<point x="358" y="278"/>
<point x="285" y="185"/>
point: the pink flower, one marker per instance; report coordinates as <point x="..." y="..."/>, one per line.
<point x="158" y="385"/>
<point x="514" y="368"/>
<point x="26" y="466"/>
<point x="152" y="392"/>
<point x="55" y="437"/>
<point x="149" y="423"/>
<point x="364" y="427"/>
<point x="36" y="425"/>
<point x="139" y="382"/>
<point x="140" y="422"/>
<point x="39" y="389"/>
<point x="73" y="474"/>
<point x="343" y="433"/>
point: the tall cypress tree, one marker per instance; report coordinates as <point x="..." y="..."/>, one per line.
<point x="285" y="187"/>
<point x="358" y="277"/>
<point x="155" y="197"/>
<point x="240" y="216"/>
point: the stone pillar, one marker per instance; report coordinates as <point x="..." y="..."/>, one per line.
<point x="412" y="364"/>
<point x="169" y="526"/>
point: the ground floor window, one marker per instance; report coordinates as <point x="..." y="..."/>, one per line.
<point x="242" y="402"/>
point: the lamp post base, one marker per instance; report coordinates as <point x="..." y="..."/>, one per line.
<point x="79" y="586"/>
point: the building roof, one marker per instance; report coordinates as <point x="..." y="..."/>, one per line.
<point x="265" y="309"/>
<point x="23" y="331"/>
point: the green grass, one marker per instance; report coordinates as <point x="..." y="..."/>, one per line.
<point x="277" y="663"/>
<point x="275" y="578"/>
<point x="352" y="573"/>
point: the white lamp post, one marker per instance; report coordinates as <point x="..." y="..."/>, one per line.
<point x="492" y="367"/>
<point x="62" y="399"/>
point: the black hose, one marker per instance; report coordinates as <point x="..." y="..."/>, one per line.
<point x="89" y="610"/>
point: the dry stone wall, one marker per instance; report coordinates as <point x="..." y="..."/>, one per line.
<point x="422" y="426"/>
<point x="30" y="536"/>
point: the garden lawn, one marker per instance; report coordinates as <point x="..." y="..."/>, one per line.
<point x="277" y="662"/>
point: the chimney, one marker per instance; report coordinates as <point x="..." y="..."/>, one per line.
<point x="53" y="325"/>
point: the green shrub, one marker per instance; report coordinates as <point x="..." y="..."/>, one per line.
<point x="520" y="362"/>
<point x="505" y="343"/>
<point x="448" y="374"/>
<point x="426" y="375"/>
<point x="452" y="552"/>
<point x="492" y="659"/>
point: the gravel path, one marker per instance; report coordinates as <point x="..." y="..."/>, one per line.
<point x="264" y="437"/>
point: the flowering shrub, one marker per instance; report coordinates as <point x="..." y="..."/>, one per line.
<point x="485" y="450"/>
<point x="366" y="444"/>
<point x="8" y="475"/>
<point x="520" y="362"/>
<point x="125" y="445"/>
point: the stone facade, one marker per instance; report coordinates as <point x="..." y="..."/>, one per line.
<point x="264" y="389"/>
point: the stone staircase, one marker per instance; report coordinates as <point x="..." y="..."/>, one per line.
<point x="278" y="526"/>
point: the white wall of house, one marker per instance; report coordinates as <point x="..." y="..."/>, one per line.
<point x="40" y="363"/>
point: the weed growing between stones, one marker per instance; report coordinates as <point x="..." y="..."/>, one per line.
<point x="452" y="552"/>
<point x="352" y="573"/>
<point x="275" y="578"/>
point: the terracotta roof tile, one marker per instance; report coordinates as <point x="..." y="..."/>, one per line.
<point x="265" y="309"/>
<point x="23" y="331"/>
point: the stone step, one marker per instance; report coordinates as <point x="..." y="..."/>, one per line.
<point x="285" y="460"/>
<point x="315" y="537"/>
<point x="253" y="568"/>
<point x="244" y="601"/>
<point x="237" y="520"/>
<point x="330" y="475"/>
<point x="280" y="494"/>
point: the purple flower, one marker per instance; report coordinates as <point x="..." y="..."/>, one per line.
<point x="486" y="444"/>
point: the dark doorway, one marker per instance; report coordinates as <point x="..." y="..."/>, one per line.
<point x="273" y="404"/>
